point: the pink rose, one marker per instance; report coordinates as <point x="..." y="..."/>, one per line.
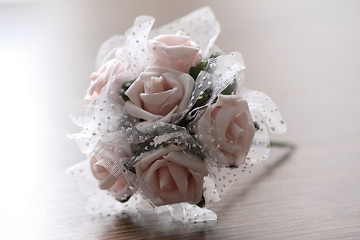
<point x="169" y="175"/>
<point x="175" y="51"/>
<point x="100" y="78"/>
<point x="104" y="154"/>
<point x="159" y="94"/>
<point x="227" y="125"/>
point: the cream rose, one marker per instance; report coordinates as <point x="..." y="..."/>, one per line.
<point x="118" y="184"/>
<point x="159" y="94"/>
<point x="101" y="77"/>
<point x="227" y="125"/>
<point x="175" y="51"/>
<point x="169" y="175"/>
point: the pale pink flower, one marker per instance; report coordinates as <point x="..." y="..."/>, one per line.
<point x="99" y="79"/>
<point x="175" y="51"/>
<point x="169" y="175"/>
<point x="227" y="126"/>
<point x="104" y="154"/>
<point x="158" y="95"/>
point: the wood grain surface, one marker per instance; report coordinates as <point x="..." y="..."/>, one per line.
<point x="304" y="54"/>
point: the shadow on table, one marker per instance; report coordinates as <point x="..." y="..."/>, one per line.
<point x="148" y="225"/>
<point x="288" y="149"/>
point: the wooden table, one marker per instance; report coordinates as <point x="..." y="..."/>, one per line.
<point x="304" y="54"/>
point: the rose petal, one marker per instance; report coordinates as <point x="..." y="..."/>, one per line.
<point x="133" y="92"/>
<point x="178" y="94"/>
<point x="195" y="185"/>
<point x="100" y="78"/>
<point x="223" y="119"/>
<point x="169" y="106"/>
<point x="148" y="157"/>
<point x="181" y="52"/>
<point x="138" y="112"/>
<point x="235" y="131"/>
<point x="180" y="176"/>
<point x="158" y="71"/>
<point x="240" y="159"/>
<point x="248" y="135"/>
<point x="120" y="184"/>
<point x="191" y="189"/>
<point x="147" y="126"/>
<point x="107" y="182"/>
<point x="188" y="161"/>
<point x="187" y="83"/>
<point x="172" y="39"/>
<point x="99" y="172"/>
<point x="154" y="84"/>
<point x="172" y="80"/>
<point x="150" y="176"/>
<point x="124" y="150"/>
<point x="167" y="118"/>
<point x="153" y="101"/>
<point x="166" y="182"/>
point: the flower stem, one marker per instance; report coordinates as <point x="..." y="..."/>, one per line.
<point x="290" y="146"/>
<point x="283" y="144"/>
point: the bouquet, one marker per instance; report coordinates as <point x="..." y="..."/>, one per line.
<point x="169" y="122"/>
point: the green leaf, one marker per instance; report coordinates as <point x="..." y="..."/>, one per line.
<point x="256" y="126"/>
<point x="202" y="202"/>
<point x="124" y="199"/>
<point x="125" y="87"/>
<point x="195" y="71"/>
<point x="202" y="100"/>
<point x="130" y="165"/>
<point x="231" y="89"/>
<point x="215" y="55"/>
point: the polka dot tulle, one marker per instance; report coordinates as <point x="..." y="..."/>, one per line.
<point x="196" y="148"/>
